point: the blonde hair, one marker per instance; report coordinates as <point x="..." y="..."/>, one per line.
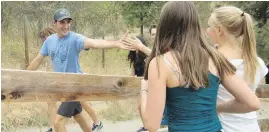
<point x="179" y="31"/>
<point x="46" y="32"/>
<point x="239" y="24"/>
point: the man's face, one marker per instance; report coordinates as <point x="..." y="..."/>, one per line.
<point x="153" y="34"/>
<point x="62" y="27"/>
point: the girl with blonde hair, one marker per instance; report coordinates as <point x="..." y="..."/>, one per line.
<point x="232" y="30"/>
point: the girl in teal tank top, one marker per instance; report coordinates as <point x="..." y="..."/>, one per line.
<point x="195" y="108"/>
<point x="186" y="77"/>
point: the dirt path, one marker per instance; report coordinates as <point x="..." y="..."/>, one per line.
<point x="120" y="126"/>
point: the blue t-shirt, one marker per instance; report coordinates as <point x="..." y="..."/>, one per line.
<point x="64" y="52"/>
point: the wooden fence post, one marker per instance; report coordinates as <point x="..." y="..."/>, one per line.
<point x="26" y="42"/>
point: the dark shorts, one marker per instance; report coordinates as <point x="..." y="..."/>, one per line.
<point x="69" y="109"/>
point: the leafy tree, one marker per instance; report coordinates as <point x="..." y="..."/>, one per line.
<point x="141" y="13"/>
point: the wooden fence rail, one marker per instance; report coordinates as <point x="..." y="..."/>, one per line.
<point x="28" y="86"/>
<point x="22" y="85"/>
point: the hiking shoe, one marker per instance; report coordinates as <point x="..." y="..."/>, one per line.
<point x="96" y="128"/>
<point x="50" y="130"/>
<point x="142" y="129"/>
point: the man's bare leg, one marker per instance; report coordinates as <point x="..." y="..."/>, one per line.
<point x="59" y="124"/>
<point x="81" y="120"/>
<point x="88" y="108"/>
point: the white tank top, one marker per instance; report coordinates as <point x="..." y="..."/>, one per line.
<point x="224" y="95"/>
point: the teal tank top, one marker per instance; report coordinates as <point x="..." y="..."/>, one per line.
<point x="190" y="110"/>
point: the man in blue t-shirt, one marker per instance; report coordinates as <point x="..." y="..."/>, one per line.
<point x="64" y="48"/>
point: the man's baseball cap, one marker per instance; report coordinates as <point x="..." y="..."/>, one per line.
<point x="61" y="14"/>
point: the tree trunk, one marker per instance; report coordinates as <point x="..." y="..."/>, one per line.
<point x="141" y="24"/>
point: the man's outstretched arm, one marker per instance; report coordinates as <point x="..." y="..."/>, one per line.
<point x="105" y="44"/>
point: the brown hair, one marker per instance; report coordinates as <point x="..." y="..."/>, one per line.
<point x="239" y="24"/>
<point x="179" y="30"/>
<point x="46" y="32"/>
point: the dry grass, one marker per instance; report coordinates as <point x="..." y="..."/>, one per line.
<point x="120" y="110"/>
<point x="16" y="115"/>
